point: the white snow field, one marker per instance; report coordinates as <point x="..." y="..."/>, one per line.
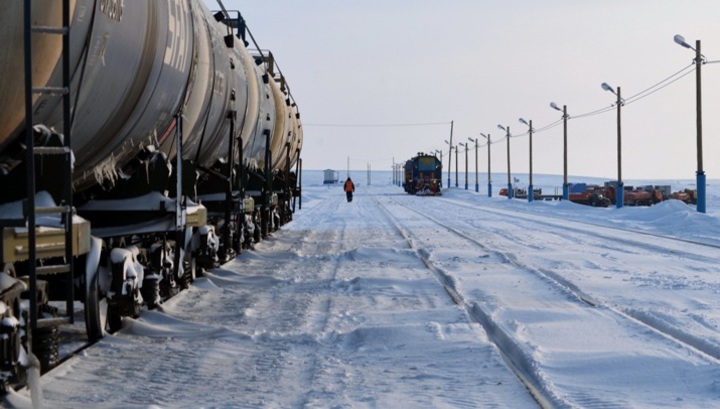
<point x="459" y="301"/>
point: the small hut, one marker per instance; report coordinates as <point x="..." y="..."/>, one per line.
<point x="331" y="177"/>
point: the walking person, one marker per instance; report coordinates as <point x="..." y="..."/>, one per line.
<point x="349" y="189"/>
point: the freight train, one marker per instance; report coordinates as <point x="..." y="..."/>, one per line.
<point x="423" y="175"/>
<point x="141" y="142"/>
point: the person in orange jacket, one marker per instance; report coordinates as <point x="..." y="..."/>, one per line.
<point x="349" y="189"/>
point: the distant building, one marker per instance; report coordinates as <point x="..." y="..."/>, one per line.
<point x="331" y="176"/>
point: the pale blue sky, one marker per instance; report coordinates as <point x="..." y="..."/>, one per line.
<point x="481" y="63"/>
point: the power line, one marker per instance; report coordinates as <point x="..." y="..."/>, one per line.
<point x="376" y="125"/>
<point x="639" y="95"/>
<point x="685" y="71"/>
<point x="658" y="89"/>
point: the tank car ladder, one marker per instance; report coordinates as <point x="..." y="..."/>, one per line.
<point x="66" y="210"/>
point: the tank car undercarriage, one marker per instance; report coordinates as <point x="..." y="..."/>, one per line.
<point x="140" y="253"/>
<point x="172" y="154"/>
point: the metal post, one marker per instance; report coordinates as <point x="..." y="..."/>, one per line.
<point x="531" y="193"/>
<point x="456" y="166"/>
<point x="180" y="210"/>
<point x="29" y="209"/>
<point x="477" y="187"/>
<point x="232" y="116"/>
<point x="466" y="166"/>
<point x="510" y="187"/>
<point x="698" y="96"/>
<point x="67" y="126"/>
<point x="566" y="187"/>
<point x="489" y="173"/>
<point x="620" y="196"/>
<point x="450" y="154"/>
<point x="179" y="213"/>
<point x="267" y="191"/>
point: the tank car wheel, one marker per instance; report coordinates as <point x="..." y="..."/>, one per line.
<point x="96" y="304"/>
<point x="93" y="319"/>
<point x="114" y="319"/>
<point x="45" y="346"/>
<point x="96" y="311"/>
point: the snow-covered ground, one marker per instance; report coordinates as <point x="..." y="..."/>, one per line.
<point x="454" y="301"/>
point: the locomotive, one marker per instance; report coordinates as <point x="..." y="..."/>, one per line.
<point x="423" y="175"/>
<point x="141" y="142"/>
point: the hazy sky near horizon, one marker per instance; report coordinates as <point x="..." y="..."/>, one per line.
<point x="481" y="63"/>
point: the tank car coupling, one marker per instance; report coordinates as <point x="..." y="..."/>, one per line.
<point x="127" y="274"/>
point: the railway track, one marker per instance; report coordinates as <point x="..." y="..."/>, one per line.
<point x="508" y="349"/>
<point x="597" y="229"/>
<point x="669" y="330"/>
<point x="521" y="363"/>
<point x="662" y="244"/>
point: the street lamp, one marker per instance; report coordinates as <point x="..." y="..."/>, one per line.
<point x="466" y="163"/>
<point x="531" y="192"/>
<point x="489" y="177"/>
<point x="566" y="186"/>
<point x="477" y="187"/>
<point x="699" y="61"/>
<point x="620" y="193"/>
<point x="507" y="136"/>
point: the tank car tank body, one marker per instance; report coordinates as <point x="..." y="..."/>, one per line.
<point x="183" y="143"/>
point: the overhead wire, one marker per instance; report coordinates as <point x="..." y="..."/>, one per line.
<point x="376" y="125"/>
<point x="658" y="89"/>
<point x="676" y="76"/>
<point x="669" y="80"/>
<point x="639" y="95"/>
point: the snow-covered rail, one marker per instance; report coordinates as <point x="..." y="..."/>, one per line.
<point x="633" y="237"/>
<point x="663" y="327"/>
<point x="581" y="312"/>
<point x="520" y="363"/>
<point x="662" y="244"/>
